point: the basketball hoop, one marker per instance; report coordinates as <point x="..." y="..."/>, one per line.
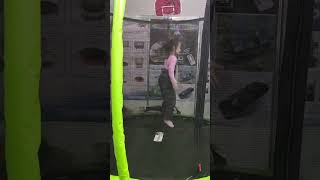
<point x="168" y="10"/>
<point x="167" y="7"/>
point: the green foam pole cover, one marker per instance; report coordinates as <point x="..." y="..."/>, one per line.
<point x="22" y="57"/>
<point x="117" y="89"/>
<point x="117" y="178"/>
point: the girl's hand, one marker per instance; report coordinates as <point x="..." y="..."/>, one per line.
<point x="175" y="85"/>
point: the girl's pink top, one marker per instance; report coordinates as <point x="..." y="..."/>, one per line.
<point x="170" y="64"/>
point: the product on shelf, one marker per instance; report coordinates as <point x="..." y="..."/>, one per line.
<point x="191" y="59"/>
<point x="186" y="93"/>
<point x="139" y="79"/>
<point x="237" y="104"/>
<point x="139" y="62"/>
<point x="139" y="44"/>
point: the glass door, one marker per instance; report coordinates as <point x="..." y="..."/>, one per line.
<point x="310" y="149"/>
<point x="244" y="73"/>
<point x="265" y="76"/>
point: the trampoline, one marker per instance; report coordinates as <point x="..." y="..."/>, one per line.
<point x="182" y="152"/>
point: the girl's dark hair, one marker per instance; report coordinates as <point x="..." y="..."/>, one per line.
<point x="172" y="43"/>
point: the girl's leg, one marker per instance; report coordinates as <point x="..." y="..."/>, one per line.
<point x="163" y="87"/>
<point x="166" y="92"/>
<point x="170" y="103"/>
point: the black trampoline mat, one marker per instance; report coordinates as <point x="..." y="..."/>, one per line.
<point x="173" y="158"/>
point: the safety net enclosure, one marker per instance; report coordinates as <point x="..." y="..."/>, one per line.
<point x="160" y="90"/>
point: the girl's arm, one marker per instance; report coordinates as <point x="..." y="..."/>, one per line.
<point x="172" y="64"/>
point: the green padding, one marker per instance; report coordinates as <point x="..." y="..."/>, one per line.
<point x="117" y="178"/>
<point x="22" y="56"/>
<point x="205" y="178"/>
<point x="116" y="89"/>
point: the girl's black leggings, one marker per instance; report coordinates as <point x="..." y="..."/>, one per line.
<point x="168" y="95"/>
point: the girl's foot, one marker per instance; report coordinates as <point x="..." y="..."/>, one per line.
<point x="169" y="123"/>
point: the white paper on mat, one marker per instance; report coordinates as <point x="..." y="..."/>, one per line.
<point x="158" y="137"/>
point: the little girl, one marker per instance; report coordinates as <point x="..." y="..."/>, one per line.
<point x="167" y="81"/>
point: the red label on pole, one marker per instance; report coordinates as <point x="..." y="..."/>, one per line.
<point x="199" y="167"/>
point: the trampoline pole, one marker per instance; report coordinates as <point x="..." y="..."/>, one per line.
<point x="22" y="59"/>
<point x="117" y="89"/>
<point x="201" y="84"/>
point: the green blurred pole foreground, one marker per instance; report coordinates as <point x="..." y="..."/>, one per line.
<point x="22" y="56"/>
<point x="117" y="89"/>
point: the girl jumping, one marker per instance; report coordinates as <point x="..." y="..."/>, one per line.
<point x="167" y="82"/>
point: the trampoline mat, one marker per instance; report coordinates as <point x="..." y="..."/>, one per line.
<point x="173" y="158"/>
